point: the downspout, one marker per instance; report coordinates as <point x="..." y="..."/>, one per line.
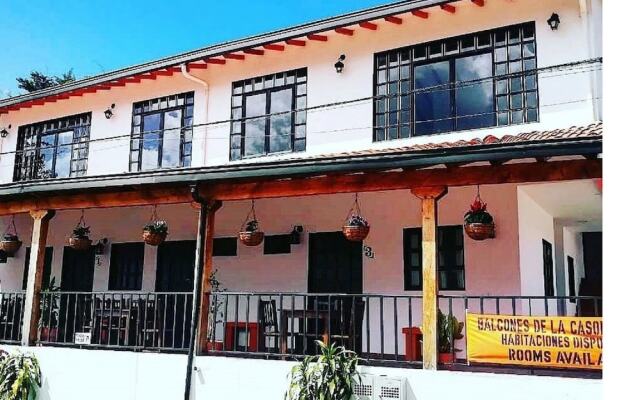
<point x="197" y="284"/>
<point x="586" y="14"/>
<point x="187" y="75"/>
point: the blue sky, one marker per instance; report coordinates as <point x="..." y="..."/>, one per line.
<point x="94" y="37"/>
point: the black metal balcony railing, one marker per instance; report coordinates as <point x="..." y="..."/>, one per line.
<point x="130" y="320"/>
<point x="11" y="312"/>
<point x="287" y="325"/>
<point x="459" y="305"/>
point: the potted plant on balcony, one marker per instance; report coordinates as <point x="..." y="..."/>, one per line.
<point x="250" y="234"/>
<point x="10" y="242"/>
<point x="356" y="228"/>
<point x="49" y="311"/>
<point x="332" y="375"/>
<point x="478" y="223"/>
<point x="155" y="232"/>
<point x="79" y="239"/>
<point x="217" y="311"/>
<point x="449" y="330"/>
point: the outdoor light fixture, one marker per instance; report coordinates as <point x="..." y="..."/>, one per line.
<point x="340" y="65"/>
<point x="554" y="21"/>
<point x="4" y="132"/>
<point x="108" y="113"/>
<point x="296" y="234"/>
<point x="100" y="246"/>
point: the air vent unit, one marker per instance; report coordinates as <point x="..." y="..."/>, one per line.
<point x="379" y="387"/>
<point x="363" y="390"/>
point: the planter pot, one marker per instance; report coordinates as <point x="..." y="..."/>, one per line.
<point x="10" y="246"/>
<point x="214" y="346"/>
<point x="79" y="243"/>
<point x="251" y="238"/>
<point x="153" y="239"/>
<point x="48" y="334"/>
<point x="445" y="358"/>
<point x="479" y="231"/>
<point x="355" y="233"/>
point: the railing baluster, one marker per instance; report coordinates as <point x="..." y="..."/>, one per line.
<point x="305" y="305"/>
<point x="513" y="305"/>
<point x="546" y="307"/>
<point x="481" y="304"/>
<point x="368" y="327"/>
<point x="395" y="325"/>
<point x="381" y="327"/>
<point x="246" y="321"/>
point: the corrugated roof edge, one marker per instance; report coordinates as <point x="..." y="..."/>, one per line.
<point x="235" y="45"/>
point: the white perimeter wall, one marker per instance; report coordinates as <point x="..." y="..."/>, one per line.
<point x="71" y="374"/>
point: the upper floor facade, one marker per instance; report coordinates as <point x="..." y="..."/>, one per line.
<point x="412" y="72"/>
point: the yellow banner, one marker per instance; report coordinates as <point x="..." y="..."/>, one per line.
<point x="561" y="342"/>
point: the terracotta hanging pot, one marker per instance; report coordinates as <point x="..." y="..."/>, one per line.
<point x="478" y="223"/>
<point x="10" y="242"/>
<point x="250" y="234"/>
<point x="355" y="228"/>
<point x="79" y="239"/>
<point x="156" y="230"/>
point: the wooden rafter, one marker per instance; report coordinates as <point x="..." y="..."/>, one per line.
<point x="345" y="31"/>
<point x="393" y="20"/>
<point x="368" y="25"/>
<point x="420" y="14"/>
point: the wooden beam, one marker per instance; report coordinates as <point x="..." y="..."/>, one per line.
<point x="339" y="183"/>
<point x="233" y="56"/>
<point x="345" y="31"/>
<point x="197" y="66"/>
<point x="275" y="47"/>
<point x="429" y="196"/>
<point x="393" y="20"/>
<point x="218" y="61"/>
<point x="448" y="8"/>
<point x="316" y="37"/>
<point x="31" y="316"/>
<point x="296" y="42"/>
<point x="420" y="14"/>
<point x="208" y="270"/>
<point x="255" y="52"/>
<point x="479" y="3"/>
<point x="368" y="25"/>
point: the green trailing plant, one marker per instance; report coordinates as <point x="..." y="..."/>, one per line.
<point x="357" y="220"/>
<point x="49" y="304"/>
<point x="477" y="213"/>
<point x="251" y="226"/>
<point x="331" y="375"/>
<point x="10" y="237"/>
<point x="158" y="227"/>
<point x="20" y="376"/>
<point x="449" y="330"/>
<point x="81" y="232"/>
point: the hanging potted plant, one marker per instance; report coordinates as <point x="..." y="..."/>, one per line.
<point x="355" y="228"/>
<point x="79" y="239"/>
<point x="478" y="223"/>
<point x="250" y="234"/>
<point x="10" y="242"/>
<point x="449" y="330"/>
<point x="156" y="230"/>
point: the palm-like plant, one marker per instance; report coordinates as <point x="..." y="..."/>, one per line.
<point x="20" y="376"/>
<point x="328" y="376"/>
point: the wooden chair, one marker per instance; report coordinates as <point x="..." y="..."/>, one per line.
<point x="268" y="325"/>
<point x="347" y="323"/>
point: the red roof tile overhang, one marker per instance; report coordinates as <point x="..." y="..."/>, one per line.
<point x="235" y="51"/>
<point x="575" y="141"/>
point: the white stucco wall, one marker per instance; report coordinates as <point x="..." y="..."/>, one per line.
<point x="71" y="374"/>
<point x="563" y="97"/>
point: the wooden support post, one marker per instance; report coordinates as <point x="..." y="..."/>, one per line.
<point x="31" y="316"/>
<point x="208" y="268"/>
<point x="429" y="196"/>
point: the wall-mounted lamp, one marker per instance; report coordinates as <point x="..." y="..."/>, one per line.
<point x="4" y="132"/>
<point x="296" y="234"/>
<point x="100" y="246"/>
<point x="108" y="113"/>
<point x="339" y="64"/>
<point x="554" y="21"/>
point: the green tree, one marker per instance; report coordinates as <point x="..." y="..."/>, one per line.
<point x="38" y="80"/>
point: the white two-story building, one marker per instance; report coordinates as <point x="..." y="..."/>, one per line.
<point x="402" y="114"/>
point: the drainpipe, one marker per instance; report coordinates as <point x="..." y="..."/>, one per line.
<point x="187" y="75"/>
<point x="197" y="284"/>
<point x="586" y="15"/>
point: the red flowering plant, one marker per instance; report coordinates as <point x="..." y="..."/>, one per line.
<point x="477" y="213"/>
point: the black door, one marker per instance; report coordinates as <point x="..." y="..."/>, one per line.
<point x="174" y="273"/>
<point x="335" y="266"/>
<point x="46" y="271"/>
<point x="77" y="276"/>
<point x="547" y="267"/>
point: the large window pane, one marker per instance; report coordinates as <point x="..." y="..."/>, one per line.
<point x="280" y="129"/>
<point x="474" y="100"/>
<point x="63" y="154"/>
<point x="255" y="129"/>
<point x="171" y="139"/>
<point x="150" y="141"/>
<point x="45" y="162"/>
<point x="433" y="105"/>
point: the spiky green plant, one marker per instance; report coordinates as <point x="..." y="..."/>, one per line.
<point x="331" y="375"/>
<point x="448" y="328"/>
<point x="20" y="376"/>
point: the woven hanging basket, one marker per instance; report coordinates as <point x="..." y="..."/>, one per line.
<point x="79" y="243"/>
<point x="479" y="231"/>
<point x="249" y="234"/>
<point x="152" y="238"/>
<point x="10" y="242"/>
<point x="355" y="228"/>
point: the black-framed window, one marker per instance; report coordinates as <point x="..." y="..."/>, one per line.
<point x="572" y="278"/>
<point x="473" y="81"/>
<point x="450" y="245"/>
<point x="57" y="148"/>
<point x="126" y="266"/>
<point x="547" y="268"/>
<point x="225" y="247"/>
<point x="46" y="270"/>
<point x="264" y="120"/>
<point x="277" y="244"/>
<point x="162" y="133"/>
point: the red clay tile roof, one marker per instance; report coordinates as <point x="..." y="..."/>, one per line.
<point x="593" y="130"/>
